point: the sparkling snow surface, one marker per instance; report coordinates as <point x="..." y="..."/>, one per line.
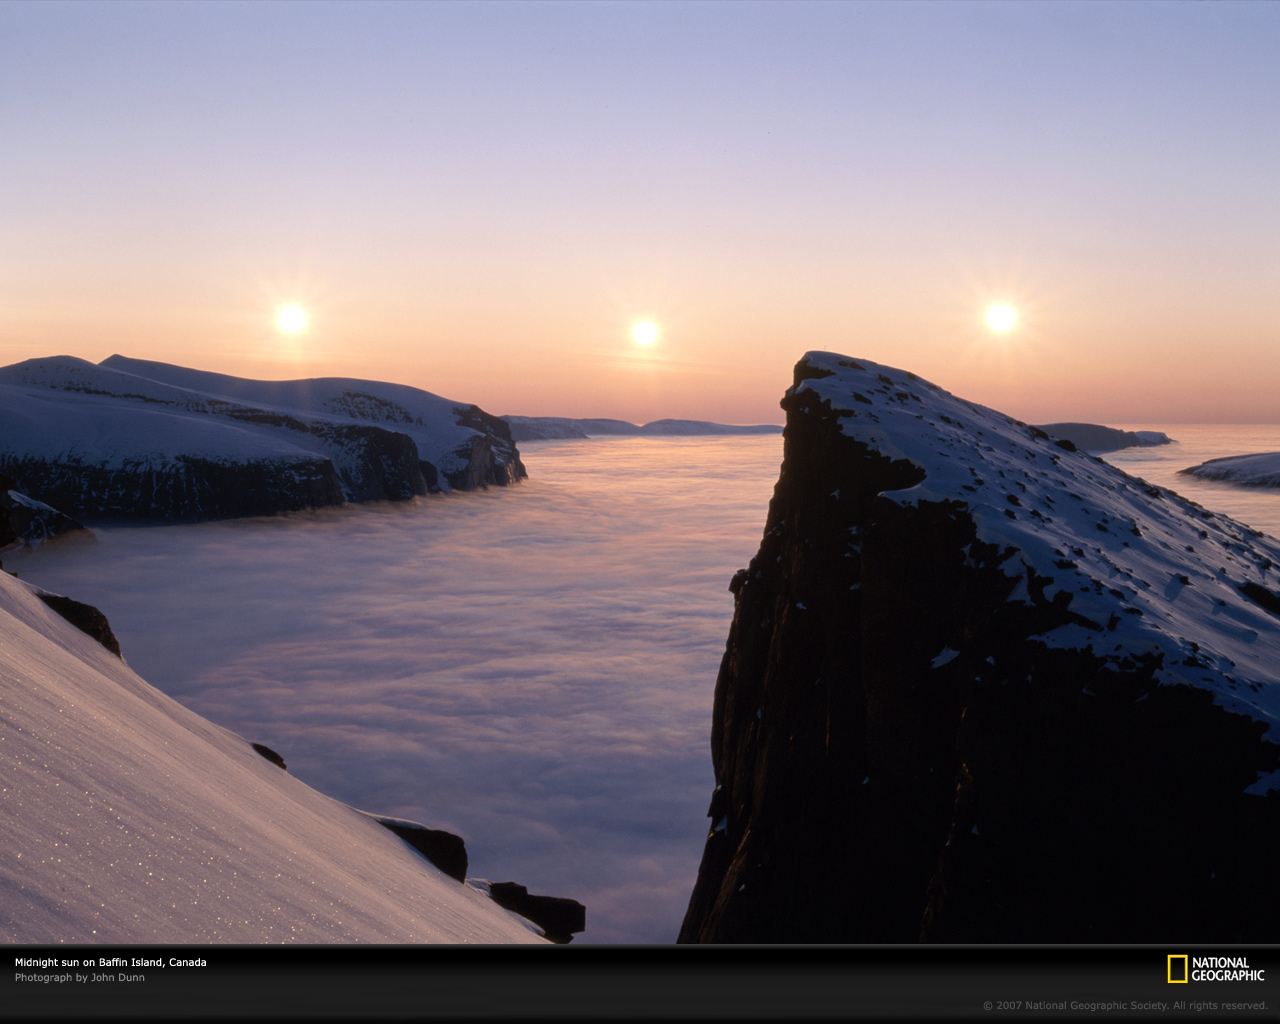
<point x="127" y="818"/>
<point x="1097" y="532"/>
<point x="146" y="414"/>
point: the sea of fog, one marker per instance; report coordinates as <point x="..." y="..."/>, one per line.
<point x="530" y="667"/>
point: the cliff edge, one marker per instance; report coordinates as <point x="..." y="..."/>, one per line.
<point x="983" y="687"/>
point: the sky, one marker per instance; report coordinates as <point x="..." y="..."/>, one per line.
<point x="484" y="199"/>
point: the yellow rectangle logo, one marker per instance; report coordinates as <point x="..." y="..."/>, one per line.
<point x="1181" y="975"/>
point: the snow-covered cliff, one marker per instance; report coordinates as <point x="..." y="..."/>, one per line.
<point x="128" y="439"/>
<point x="981" y="686"/>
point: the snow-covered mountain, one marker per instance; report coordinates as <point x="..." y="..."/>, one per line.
<point x="1258" y="470"/>
<point x="129" y="439"/>
<point x="546" y="428"/>
<point x="983" y="687"/>
<point x="127" y="818"/>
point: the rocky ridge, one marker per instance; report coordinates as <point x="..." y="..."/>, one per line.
<point x="982" y="687"/>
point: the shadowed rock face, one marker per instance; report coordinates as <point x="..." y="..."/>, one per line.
<point x="559" y="918"/>
<point x="26" y="521"/>
<point x="86" y="618"/>
<point x="966" y="696"/>
<point x="491" y="457"/>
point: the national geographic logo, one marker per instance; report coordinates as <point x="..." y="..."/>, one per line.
<point x="1184" y="968"/>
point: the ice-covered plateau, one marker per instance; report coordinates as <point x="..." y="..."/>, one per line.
<point x="1258" y="470"/>
<point x="128" y="818"/>
<point x="983" y="687"/>
<point x="128" y="439"/>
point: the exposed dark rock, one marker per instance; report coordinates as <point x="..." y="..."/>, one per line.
<point x="86" y="618"/>
<point x="559" y="918"/>
<point x="490" y="457"/>
<point x="24" y="520"/>
<point x="445" y="850"/>
<point x="931" y="724"/>
<point x="188" y="489"/>
<point x="270" y="755"/>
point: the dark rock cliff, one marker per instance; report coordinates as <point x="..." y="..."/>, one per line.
<point x="491" y="457"/>
<point x="980" y="687"/>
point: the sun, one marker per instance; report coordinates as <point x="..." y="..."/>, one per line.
<point x="644" y="333"/>
<point x="1002" y="318"/>
<point x="291" y="319"/>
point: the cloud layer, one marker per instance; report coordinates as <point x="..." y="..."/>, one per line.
<point x="530" y="667"/>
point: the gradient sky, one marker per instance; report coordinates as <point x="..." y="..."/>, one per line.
<point x="481" y="199"/>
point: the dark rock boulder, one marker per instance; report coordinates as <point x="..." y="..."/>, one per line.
<point x="444" y="849"/>
<point x="983" y="688"/>
<point x="559" y="918"/>
<point x="270" y="755"/>
<point x="85" y="617"/>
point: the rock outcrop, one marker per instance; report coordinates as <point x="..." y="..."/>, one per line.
<point x="85" y="617"/>
<point x="982" y="687"/>
<point x="559" y="918"/>
<point x="135" y="440"/>
<point x="29" y="523"/>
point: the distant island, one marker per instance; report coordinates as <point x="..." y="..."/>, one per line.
<point x="1093" y="437"/>
<point x="1261" y="469"/>
<point x="556" y="428"/>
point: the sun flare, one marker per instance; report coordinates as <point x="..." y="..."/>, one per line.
<point x="644" y="333"/>
<point x="291" y="319"/>
<point x="1002" y="318"/>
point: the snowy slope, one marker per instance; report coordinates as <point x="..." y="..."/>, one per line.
<point x="1259" y="470"/>
<point x="127" y="818"/>
<point x="1079" y="527"/>
<point x="432" y="421"/>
